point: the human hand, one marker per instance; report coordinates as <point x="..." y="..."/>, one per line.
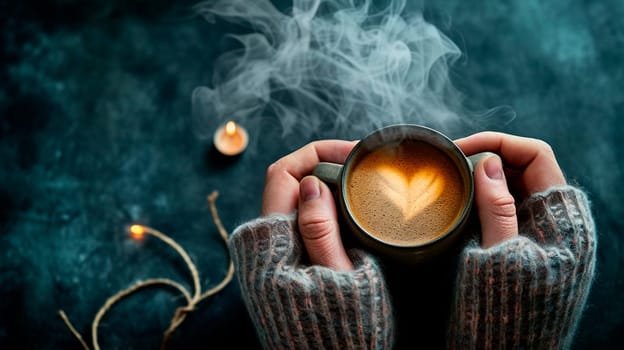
<point x="289" y="188"/>
<point x="528" y="166"/>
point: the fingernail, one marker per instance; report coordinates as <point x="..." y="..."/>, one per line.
<point x="494" y="168"/>
<point x="310" y="189"/>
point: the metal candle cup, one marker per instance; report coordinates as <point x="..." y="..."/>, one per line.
<point x="230" y="139"/>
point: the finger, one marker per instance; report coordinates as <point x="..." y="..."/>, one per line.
<point x="497" y="210"/>
<point x="534" y="158"/>
<point x="318" y="225"/>
<point x="283" y="176"/>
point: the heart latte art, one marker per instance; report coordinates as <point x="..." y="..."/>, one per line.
<point x="411" y="194"/>
<point x="405" y="194"/>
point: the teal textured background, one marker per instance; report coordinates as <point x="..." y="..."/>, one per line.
<point x="97" y="133"/>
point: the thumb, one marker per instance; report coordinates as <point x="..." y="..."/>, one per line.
<point x="318" y="225"/>
<point x="497" y="209"/>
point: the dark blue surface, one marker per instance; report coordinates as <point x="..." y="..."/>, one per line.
<point x="98" y="131"/>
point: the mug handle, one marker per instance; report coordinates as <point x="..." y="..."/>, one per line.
<point x="475" y="158"/>
<point x="328" y="172"/>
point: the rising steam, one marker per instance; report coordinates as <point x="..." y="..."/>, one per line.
<point x="345" y="66"/>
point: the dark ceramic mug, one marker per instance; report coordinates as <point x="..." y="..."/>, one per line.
<point x="405" y="192"/>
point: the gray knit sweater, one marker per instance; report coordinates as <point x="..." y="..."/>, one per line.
<point x="526" y="293"/>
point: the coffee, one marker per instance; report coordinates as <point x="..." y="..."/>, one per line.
<point x="406" y="194"/>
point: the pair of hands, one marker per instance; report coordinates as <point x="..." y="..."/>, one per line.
<point x="530" y="166"/>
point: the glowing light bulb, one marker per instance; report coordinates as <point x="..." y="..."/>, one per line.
<point x="137" y="232"/>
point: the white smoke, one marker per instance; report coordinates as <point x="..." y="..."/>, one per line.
<point x="345" y="66"/>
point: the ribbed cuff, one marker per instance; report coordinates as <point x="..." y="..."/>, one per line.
<point x="294" y="305"/>
<point x="528" y="292"/>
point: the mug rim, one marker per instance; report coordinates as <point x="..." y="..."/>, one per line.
<point x="453" y="148"/>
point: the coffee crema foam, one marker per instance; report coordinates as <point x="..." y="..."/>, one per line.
<point x="406" y="194"/>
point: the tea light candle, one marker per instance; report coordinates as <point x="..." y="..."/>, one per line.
<point x="230" y="139"/>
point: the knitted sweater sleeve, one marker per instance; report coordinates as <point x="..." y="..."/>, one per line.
<point x="528" y="292"/>
<point x="294" y="306"/>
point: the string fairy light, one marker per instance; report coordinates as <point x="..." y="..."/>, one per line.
<point x="138" y="232"/>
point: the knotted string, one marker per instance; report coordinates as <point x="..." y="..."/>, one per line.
<point x="191" y="300"/>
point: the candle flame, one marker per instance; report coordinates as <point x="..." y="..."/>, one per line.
<point x="230" y="128"/>
<point x="137" y="232"/>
